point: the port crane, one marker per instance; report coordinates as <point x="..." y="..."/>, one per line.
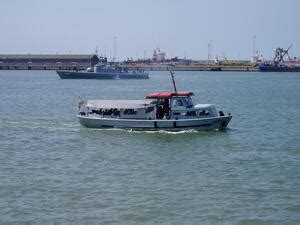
<point x="280" y="53"/>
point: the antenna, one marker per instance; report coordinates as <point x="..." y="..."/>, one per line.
<point x="173" y="80"/>
<point x="97" y="50"/>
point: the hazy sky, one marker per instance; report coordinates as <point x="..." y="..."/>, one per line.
<point x="179" y="27"/>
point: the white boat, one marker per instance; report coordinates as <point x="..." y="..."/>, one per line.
<point x="173" y="111"/>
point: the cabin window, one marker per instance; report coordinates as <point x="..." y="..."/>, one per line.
<point x="130" y="112"/>
<point x="191" y="113"/>
<point x="107" y="112"/>
<point x="204" y="113"/>
<point x="99" y="112"/>
<point x="116" y="112"/>
<point x="149" y="109"/>
<point x="176" y="113"/>
<point x="177" y="102"/>
<point x="188" y="102"/>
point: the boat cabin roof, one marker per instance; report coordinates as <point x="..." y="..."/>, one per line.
<point x="168" y="95"/>
<point x="204" y="106"/>
<point x="119" y="104"/>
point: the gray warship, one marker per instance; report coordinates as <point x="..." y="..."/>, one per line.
<point x="103" y="70"/>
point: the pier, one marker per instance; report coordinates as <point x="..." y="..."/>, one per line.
<point x="83" y="61"/>
<point x="193" y="67"/>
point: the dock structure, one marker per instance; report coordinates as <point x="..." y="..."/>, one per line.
<point x="192" y="67"/>
<point x="83" y="61"/>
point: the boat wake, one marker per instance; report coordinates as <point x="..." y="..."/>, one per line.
<point x="165" y="131"/>
<point x="40" y="125"/>
<point x="56" y="126"/>
<point x="134" y="131"/>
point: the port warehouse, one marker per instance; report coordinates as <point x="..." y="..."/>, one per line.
<point x="46" y="62"/>
<point x="82" y="61"/>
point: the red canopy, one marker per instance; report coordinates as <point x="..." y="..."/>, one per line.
<point x="167" y="95"/>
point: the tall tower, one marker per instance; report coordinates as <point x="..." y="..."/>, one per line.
<point x="254" y="50"/>
<point x="115" y="49"/>
<point x="211" y="48"/>
<point x="208" y="52"/>
<point x="255" y="56"/>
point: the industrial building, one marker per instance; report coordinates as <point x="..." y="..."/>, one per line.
<point x="46" y="62"/>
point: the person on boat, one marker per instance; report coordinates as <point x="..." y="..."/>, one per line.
<point x="166" y="108"/>
<point x="159" y="113"/>
<point x="80" y="102"/>
<point x="179" y="102"/>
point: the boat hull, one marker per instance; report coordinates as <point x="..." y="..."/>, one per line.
<point x="133" y="76"/>
<point x="272" y="68"/>
<point x="65" y="74"/>
<point x="203" y="124"/>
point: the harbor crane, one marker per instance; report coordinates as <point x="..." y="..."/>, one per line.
<point x="280" y="53"/>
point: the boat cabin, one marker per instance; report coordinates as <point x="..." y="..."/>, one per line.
<point x="162" y="105"/>
<point x="179" y="105"/>
<point x="123" y="109"/>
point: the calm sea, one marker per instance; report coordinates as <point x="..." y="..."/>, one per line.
<point x="53" y="171"/>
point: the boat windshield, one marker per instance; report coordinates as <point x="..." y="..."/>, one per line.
<point x="182" y="101"/>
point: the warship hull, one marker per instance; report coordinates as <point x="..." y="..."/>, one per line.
<point x="65" y="74"/>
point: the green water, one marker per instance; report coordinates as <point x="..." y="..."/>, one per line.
<point x="53" y="171"/>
